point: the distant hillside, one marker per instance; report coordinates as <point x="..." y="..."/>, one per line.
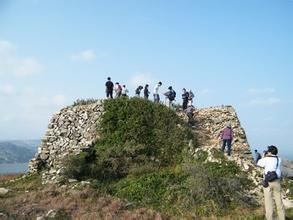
<point x="17" y="151"/>
<point x="287" y="168"/>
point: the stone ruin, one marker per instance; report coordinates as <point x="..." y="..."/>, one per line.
<point x="74" y="129"/>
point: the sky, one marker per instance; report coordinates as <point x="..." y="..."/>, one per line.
<point x="239" y="53"/>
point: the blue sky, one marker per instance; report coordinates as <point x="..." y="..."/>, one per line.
<point x="237" y="53"/>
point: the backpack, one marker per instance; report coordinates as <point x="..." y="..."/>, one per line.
<point x="172" y="95"/>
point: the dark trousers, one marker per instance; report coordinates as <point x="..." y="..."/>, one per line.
<point x="227" y="142"/>
<point x="184" y="105"/>
<point x="109" y="93"/>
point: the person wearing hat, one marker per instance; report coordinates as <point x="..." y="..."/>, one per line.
<point x="272" y="186"/>
<point x="227" y="137"/>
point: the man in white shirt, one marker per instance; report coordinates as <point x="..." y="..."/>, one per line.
<point x="272" y="189"/>
<point x="156" y="92"/>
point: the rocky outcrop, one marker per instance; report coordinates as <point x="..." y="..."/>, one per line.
<point x="70" y="131"/>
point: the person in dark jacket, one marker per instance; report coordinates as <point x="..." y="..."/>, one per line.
<point x="146" y="91"/>
<point x="138" y="90"/>
<point x="184" y="98"/>
<point x="109" y="88"/>
<point x="227" y="137"/>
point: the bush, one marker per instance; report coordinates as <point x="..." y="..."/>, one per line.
<point x="143" y="157"/>
<point x="135" y="134"/>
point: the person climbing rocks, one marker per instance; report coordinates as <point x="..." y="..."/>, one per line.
<point x="146" y="91"/>
<point x="190" y="114"/>
<point x="156" y="92"/>
<point x="227" y="137"/>
<point x="109" y="88"/>
<point x="272" y="186"/>
<point x="184" y="98"/>
<point x="138" y="90"/>
<point x="256" y="156"/>
<point x="118" y="90"/>
<point x="124" y="92"/>
<point x="169" y="96"/>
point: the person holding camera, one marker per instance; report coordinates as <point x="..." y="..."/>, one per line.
<point x="272" y="187"/>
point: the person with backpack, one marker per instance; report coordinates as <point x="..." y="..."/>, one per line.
<point x="185" y="95"/>
<point x="118" y="90"/>
<point x="227" y="137"/>
<point x="124" y="92"/>
<point x="272" y="186"/>
<point x="109" y="88"/>
<point x="138" y="90"/>
<point x="190" y="97"/>
<point x="256" y="156"/>
<point x="169" y="96"/>
<point x="146" y="91"/>
<point x="156" y="92"/>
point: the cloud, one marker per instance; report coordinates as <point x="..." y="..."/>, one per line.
<point x="11" y="64"/>
<point x="86" y="55"/>
<point x="141" y="79"/>
<point x="7" y="89"/>
<point x="265" y="91"/>
<point x="265" y="101"/>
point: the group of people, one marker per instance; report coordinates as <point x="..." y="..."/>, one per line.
<point x="170" y="95"/>
<point x="269" y="160"/>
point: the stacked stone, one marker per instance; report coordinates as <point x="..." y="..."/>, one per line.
<point x="70" y="131"/>
<point x="210" y="122"/>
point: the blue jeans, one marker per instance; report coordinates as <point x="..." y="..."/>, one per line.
<point x="156" y="98"/>
<point x="227" y="142"/>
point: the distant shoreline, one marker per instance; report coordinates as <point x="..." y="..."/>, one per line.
<point x="13" y="168"/>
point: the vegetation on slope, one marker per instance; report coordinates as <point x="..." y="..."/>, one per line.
<point x="142" y="157"/>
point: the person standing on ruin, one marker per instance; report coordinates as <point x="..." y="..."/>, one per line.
<point x="138" y="90"/>
<point x="118" y="90"/>
<point x="109" y="88"/>
<point x="227" y="137"/>
<point x="256" y="156"/>
<point x="272" y="186"/>
<point x="146" y="91"/>
<point x="124" y="92"/>
<point x="156" y="92"/>
<point x="185" y="95"/>
<point x="190" y="97"/>
<point x="169" y="97"/>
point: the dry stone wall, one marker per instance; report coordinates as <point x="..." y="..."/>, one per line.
<point x="70" y="131"/>
<point x="74" y="129"/>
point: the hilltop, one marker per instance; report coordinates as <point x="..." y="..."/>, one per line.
<point x="131" y="158"/>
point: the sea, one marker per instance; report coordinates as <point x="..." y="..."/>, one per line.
<point x="13" y="168"/>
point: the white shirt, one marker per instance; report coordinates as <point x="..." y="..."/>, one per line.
<point x="270" y="164"/>
<point x="156" y="89"/>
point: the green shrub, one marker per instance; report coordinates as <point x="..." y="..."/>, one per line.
<point x="135" y="134"/>
<point x="143" y="157"/>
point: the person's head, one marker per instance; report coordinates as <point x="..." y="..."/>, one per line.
<point x="170" y="87"/>
<point x="160" y="83"/>
<point x="228" y="125"/>
<point x="109" y="78"/>
<point x="124" y="86"/>
<point x="117" y="83"/>
<point x="184" y="90"/>
<point x="255" y="151"/>
<point x="273" y="150"/>
<point x="146" y="85"/>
